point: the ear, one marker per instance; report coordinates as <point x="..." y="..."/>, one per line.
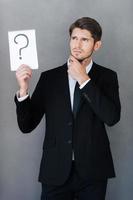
<point x="97" y="45"/>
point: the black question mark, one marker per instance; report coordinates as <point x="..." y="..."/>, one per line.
<point x="27" y="39"/>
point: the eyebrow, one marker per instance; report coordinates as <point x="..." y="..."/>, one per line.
<point x="87" y="38"/>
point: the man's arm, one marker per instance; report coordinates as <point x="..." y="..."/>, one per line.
<point x="29" y="110"/>
<point x="104" y="100"/>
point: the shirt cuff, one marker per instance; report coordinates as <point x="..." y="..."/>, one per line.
<point x="21" y="98"/>
<point x="83" y="84"/>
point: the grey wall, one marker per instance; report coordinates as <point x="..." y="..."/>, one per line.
<point x="20" y="154"/>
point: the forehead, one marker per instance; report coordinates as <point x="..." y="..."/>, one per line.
<point x="81" y="33"/>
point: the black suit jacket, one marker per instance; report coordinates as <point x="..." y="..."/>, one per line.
<point x="85" y="135"/>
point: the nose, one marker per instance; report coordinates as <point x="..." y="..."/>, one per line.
<point x="78" y="44"/>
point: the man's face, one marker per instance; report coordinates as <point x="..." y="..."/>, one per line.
<point x="82" y="44"/>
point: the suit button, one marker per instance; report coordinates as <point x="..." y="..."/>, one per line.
<point x="69" y="141"/>
<point x="69" y="123"/>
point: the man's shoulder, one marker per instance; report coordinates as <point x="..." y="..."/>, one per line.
<point x="103" y="69"/>
<point x="54" y="71"/>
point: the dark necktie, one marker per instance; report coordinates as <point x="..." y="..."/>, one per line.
<point x="76" y="99"/>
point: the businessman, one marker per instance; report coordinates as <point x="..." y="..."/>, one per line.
<point x="77" y="99"/>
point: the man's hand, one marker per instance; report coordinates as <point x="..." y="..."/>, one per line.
<point x="77" y="70"/>
<point x="23" y="75"/>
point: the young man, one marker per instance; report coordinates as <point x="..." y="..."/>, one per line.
<point x="76" y="160"/>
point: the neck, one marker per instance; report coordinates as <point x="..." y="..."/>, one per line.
<point x="85" y="62"/>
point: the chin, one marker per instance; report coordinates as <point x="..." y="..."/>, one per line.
<point x="77" y="57"/>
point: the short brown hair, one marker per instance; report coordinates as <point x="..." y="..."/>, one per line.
<point x="89" y="24"/>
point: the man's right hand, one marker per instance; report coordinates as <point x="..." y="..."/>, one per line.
<point x="23" y="75"/>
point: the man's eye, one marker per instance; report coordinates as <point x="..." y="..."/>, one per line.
<point x="85" y="39"/>
<point x="73" y="38"/>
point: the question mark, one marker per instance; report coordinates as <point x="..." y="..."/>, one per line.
<point x="27" y="43"/>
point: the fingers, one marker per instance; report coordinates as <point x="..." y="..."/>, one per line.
<point x="24" y="69"/>
<point x="23" y="75"/>
<point x="72" y="59"/>
<point x="74" y="64"/>
<point x="24" y="72"/>
<point x="74" y="68"/>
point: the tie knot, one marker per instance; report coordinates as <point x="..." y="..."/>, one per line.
<point x="77" y="84"/>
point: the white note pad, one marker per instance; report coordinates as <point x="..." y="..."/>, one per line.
<point x="22" y="48"/>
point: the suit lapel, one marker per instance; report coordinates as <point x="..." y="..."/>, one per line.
<point x="93" y="72"/>
<point x="64" y="86"/>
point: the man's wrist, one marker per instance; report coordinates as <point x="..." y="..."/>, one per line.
<point x="20" y="99"/>
<point x="84" y="83"/>
<point x="84" y="79"/>
<point x="22" y="93"/>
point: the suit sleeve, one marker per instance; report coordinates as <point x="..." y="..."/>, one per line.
<point x="104" y="99"/>
<point x="31" y="110"/>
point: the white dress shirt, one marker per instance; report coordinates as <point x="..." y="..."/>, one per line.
<point x="72" y="82"/>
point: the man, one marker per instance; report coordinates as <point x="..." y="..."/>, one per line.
<point x="76" y="160"/>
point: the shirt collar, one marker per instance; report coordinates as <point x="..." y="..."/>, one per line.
<point x="88" y="67"/>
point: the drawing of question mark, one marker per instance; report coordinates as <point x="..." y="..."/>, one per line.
<point x="27" y="43"/>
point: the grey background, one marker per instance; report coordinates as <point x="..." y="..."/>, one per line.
<point x="20" y="154"/>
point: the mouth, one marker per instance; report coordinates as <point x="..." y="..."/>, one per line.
<point x="77" y="51"/>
